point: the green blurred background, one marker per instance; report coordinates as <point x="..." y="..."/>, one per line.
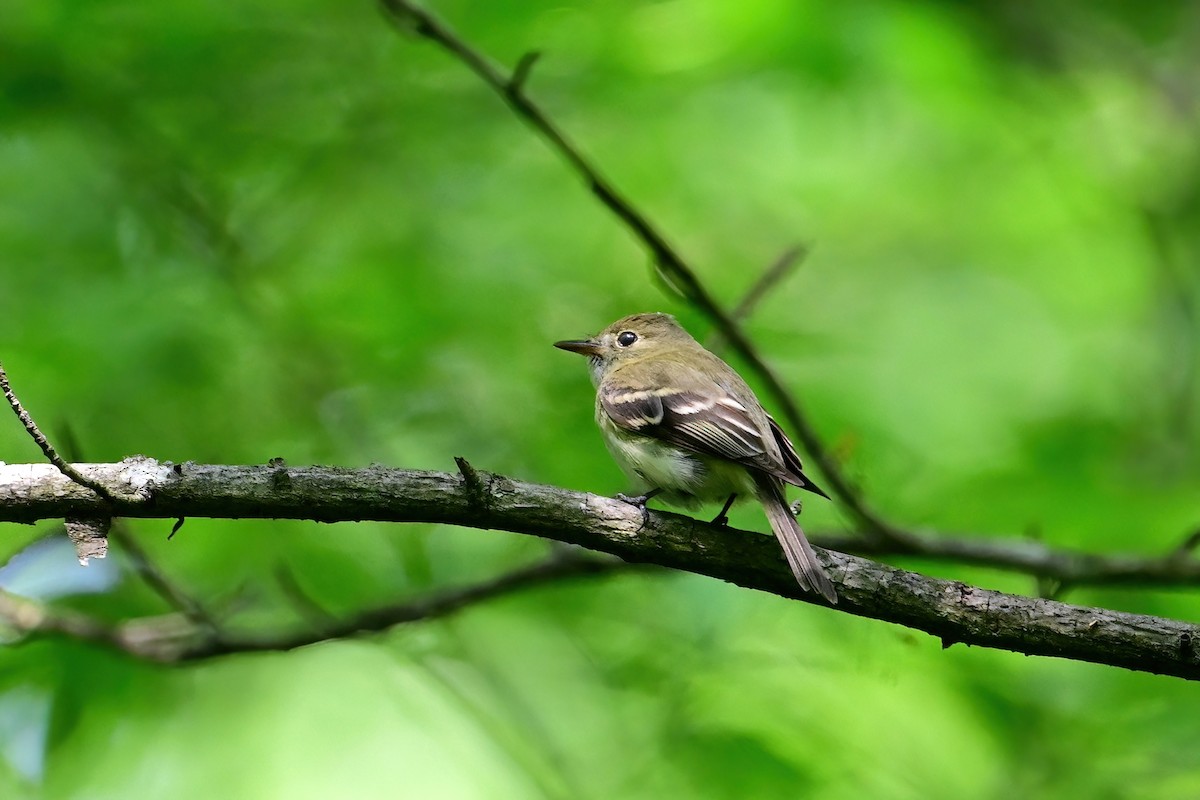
<point x="230" y="232"/>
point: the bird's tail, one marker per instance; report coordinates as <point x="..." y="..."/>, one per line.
<point x="800" y="556"/>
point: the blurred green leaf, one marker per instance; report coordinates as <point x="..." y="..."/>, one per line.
<point x="234" y="233"/>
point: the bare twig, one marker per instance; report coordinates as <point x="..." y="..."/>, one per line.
<point x="316" y="615"/>
<point x="783" y="266"/>
<point x="441" y="604"/>
<point x="1067" y="568"/>
<point x="29" y="617"/>
<point x="159" y="583"/>
<point x="516" y="83"/>
<point x="44" y="444"/>
<point x="1188" y="545"/>
<point x="779" y="269"/>
<point x="411" y="17"/>
<point x="164" y="639"/>
<point x="159" y="638"/>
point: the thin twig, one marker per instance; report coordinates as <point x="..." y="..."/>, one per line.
<point x="1068" y="568"/>
<point x="788" y="262"/>
<point x="520" y="75"/>
<point x="552" y="569"/>
<point x="1188" y="545"/>
<point x="159" y="583"/>
<point x="312" y="612"/>
<point x="30" y="617"/>
<point x="779" y="269"/>
<point x="147" y="570"/>
<point x="411" y="17"/>
<point x="549" y="570"/>
<point x="44" y="444"/>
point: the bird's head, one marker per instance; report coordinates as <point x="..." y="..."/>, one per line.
<point x="630" y="338"/>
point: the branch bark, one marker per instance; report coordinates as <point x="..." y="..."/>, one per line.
<point x="953" y="611"/>
<point x="672" y="268"/>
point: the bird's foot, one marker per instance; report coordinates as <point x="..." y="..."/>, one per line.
<point x="639" y="501"/>
<point x="722" y="518"/>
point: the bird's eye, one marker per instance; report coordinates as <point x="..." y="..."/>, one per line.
<point x="626" y="338"/>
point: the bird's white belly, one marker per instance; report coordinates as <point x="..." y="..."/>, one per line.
<point x="686" y="478"/>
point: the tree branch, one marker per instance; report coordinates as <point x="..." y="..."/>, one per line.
<point x="172" y="638"/>
<point x="772" y="277"/>
<point x="1068" y="568"/>
<point x="672" y="267"/>
<point x="556" y="568"/>
<point x="159" y="583"/>
<point x="950" y="610"/>
<point x="47" y="449"/>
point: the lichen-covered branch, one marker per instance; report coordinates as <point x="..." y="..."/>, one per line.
<point x="951" y="610"/>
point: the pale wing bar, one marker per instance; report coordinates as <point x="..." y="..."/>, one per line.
<point x="711" y="426"/>
<point x="716" y="426"/>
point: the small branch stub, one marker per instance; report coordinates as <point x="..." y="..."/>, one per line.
<point x="90" y="537"/>
<point x="516" y="84"/>
<point x="473" y="483"/>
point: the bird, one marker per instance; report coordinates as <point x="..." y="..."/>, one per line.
<point x="684" y="426"/>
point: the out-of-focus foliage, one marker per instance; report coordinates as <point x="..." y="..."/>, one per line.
<point x="235" y="231"/>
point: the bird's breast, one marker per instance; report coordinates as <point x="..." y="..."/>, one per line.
<point x="686" y="477"/>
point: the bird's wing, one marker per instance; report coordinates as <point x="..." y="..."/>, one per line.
<point x="791" y="460"/>
<point x="710" y="422"/>
<point x="715" y="425"/>
<point x="700" y="414"/>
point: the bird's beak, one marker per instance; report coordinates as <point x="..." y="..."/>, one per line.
<point x="585" y="347"/>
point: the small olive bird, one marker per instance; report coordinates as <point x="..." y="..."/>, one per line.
<point x="682" y="424"/>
